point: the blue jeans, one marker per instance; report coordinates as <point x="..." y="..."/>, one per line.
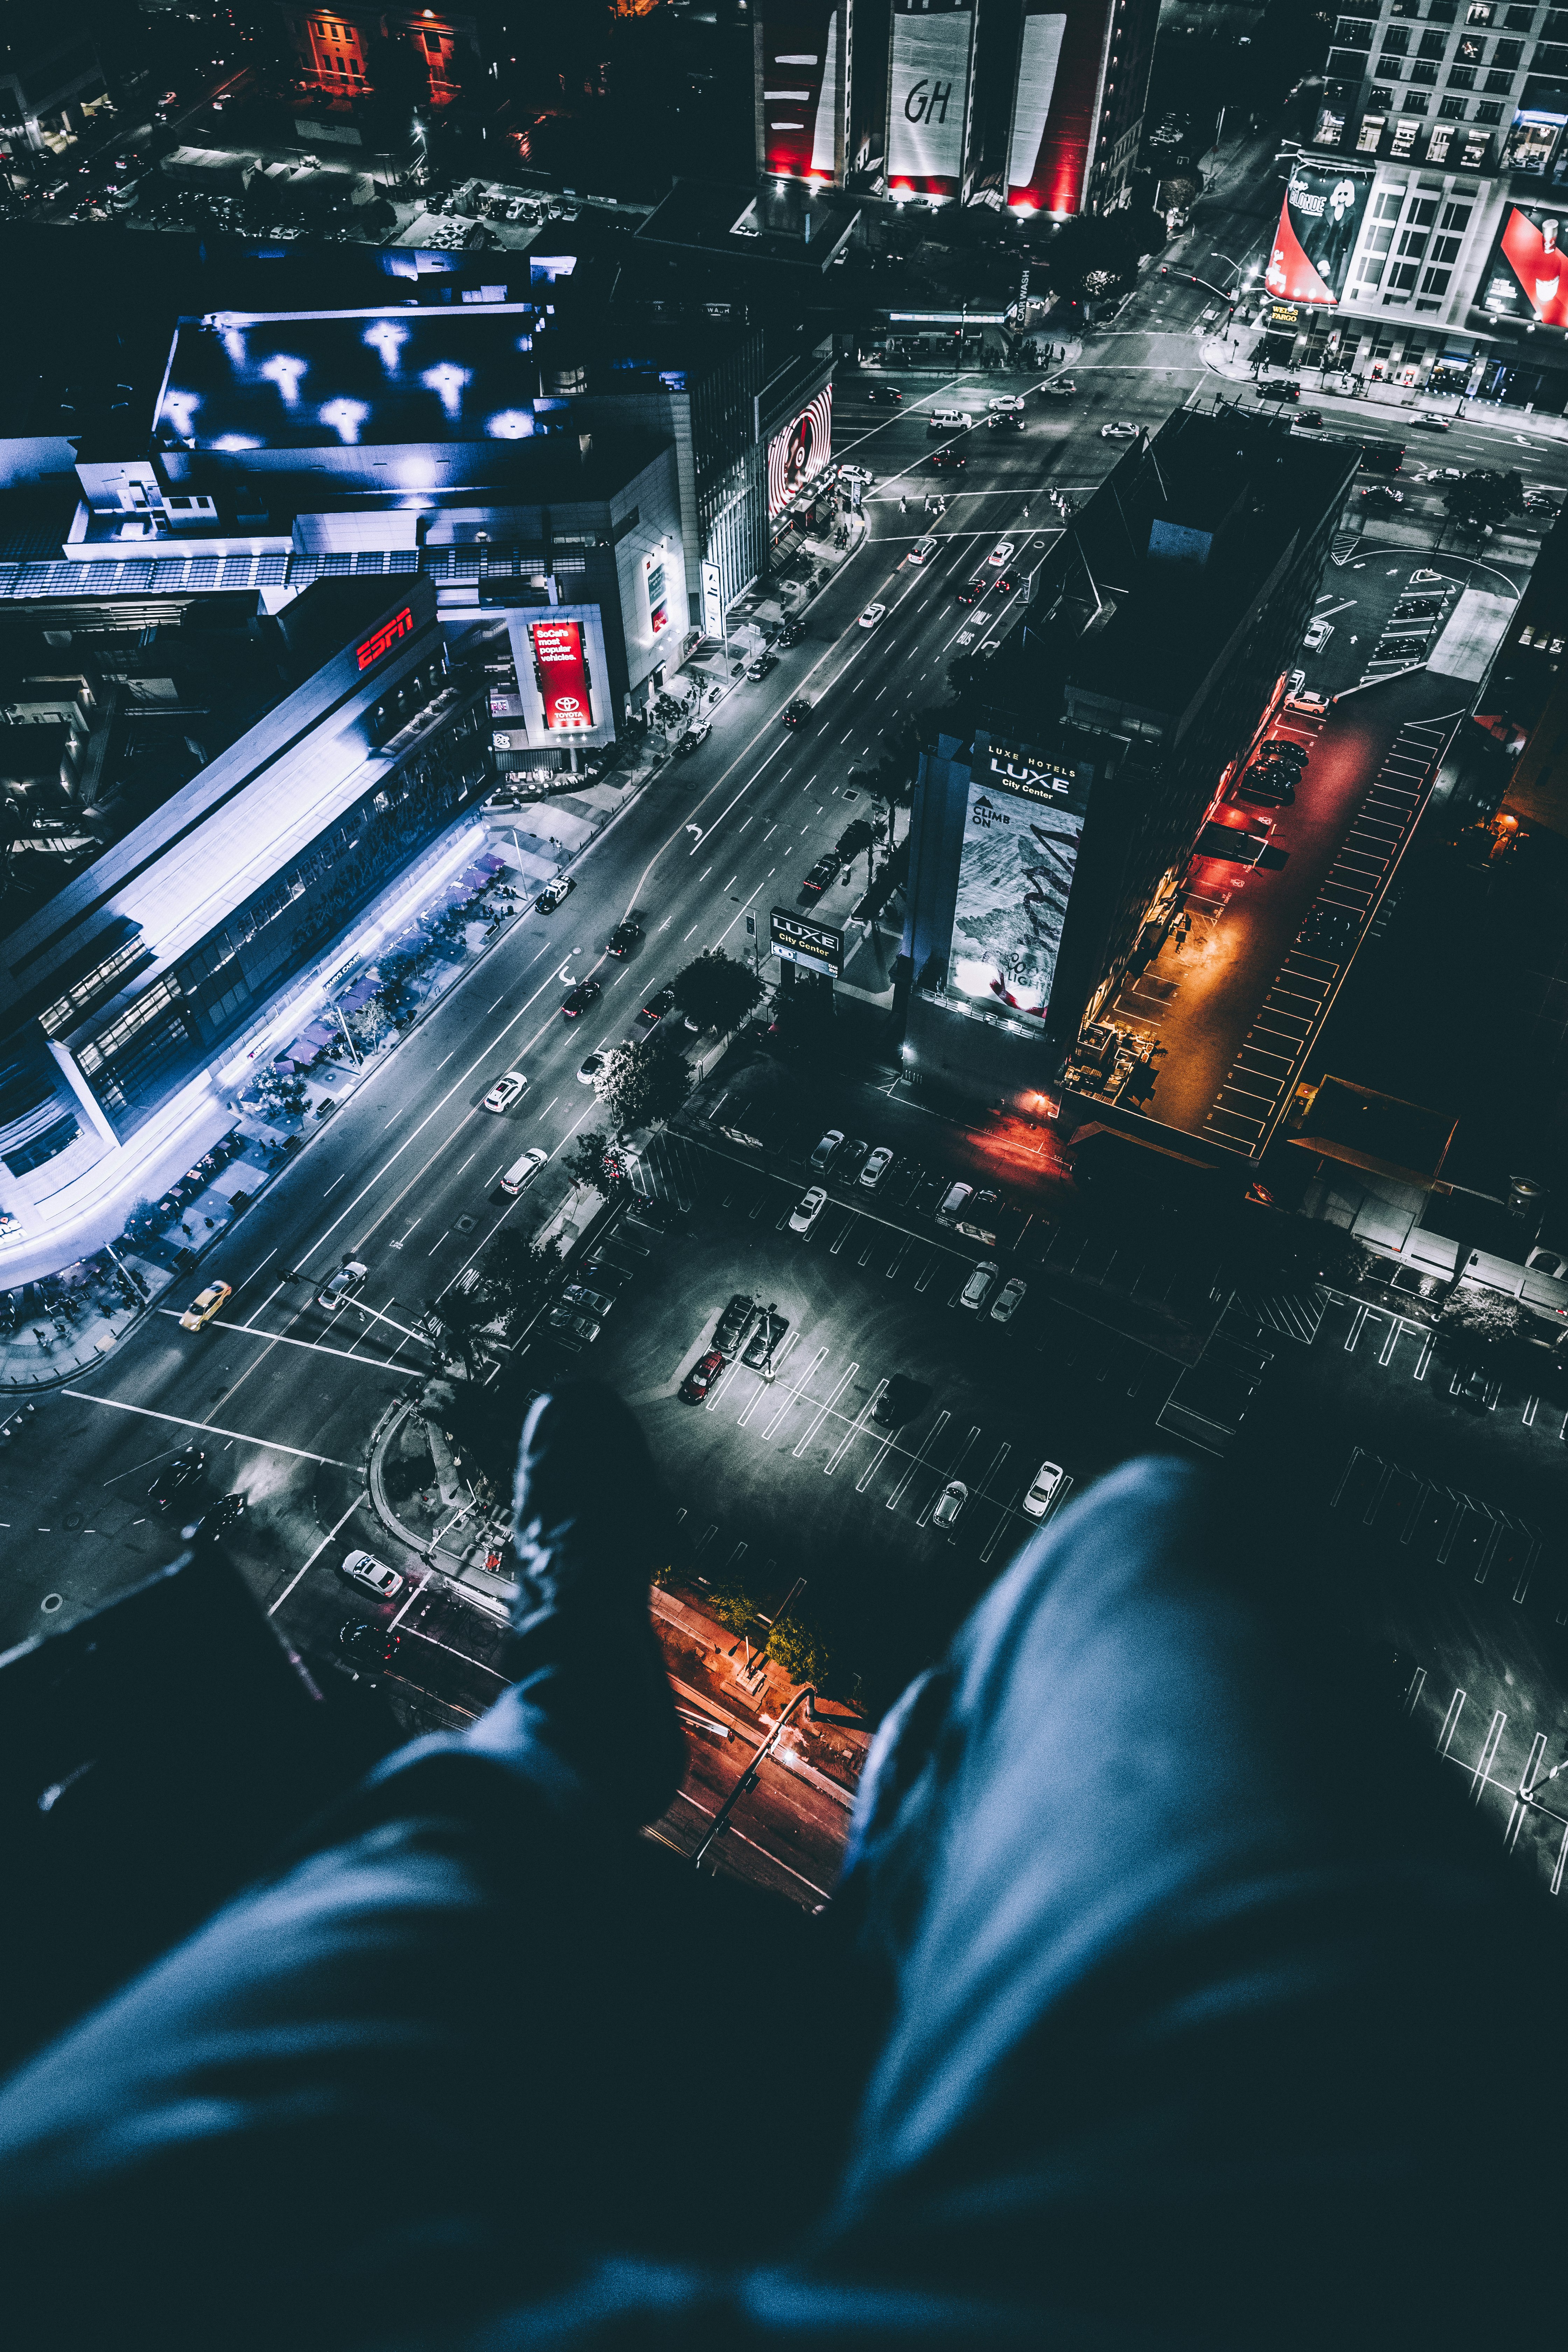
<point x="1176" y="2004"/>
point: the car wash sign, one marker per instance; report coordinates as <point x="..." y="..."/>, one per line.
<point x="1318" y="224"/>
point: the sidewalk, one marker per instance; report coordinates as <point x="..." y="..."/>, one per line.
<point x="1378" y="406"/>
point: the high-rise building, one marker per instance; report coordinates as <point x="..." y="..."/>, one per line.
<point x="931" y="97"/>
<point x="1449" y="120"/>
<point x="1050" y="844"/>
<point x="343" y="52"/>
<point x="1079" y="79"/>
<point x="804" y="62"/>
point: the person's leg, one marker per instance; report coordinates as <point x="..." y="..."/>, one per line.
<point x="392" y="2079"/>
<point x="1203" y="2000"/>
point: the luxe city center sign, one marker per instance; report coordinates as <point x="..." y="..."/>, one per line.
<point x="811" y="945"/>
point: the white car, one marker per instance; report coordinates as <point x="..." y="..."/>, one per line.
<point x="1002" y="552"/>
<point x="954" y="1495"/>
<point x="364" y="1568"/>
<point x="861" y="474"/>
<point x="1122" y="432"/>
<point x="589" y="1071"/>
<point x="347" y="1283"/>
<point x="876" y="1168"/>
<point x="1006" y="403"/>
<point x="807" y="1210"/>
<point x="580" y="1327"/>
<point x="977" y="1289"/>
<point x="1048" y="1479"/>
<point x="1318" y="635"/>
<point x="922" y="549"/>
<point x="823" y="1157"/>
<point x="872" y="615"/>
<point x="1008" y="1301"/>
<point x="506" y="1091"/>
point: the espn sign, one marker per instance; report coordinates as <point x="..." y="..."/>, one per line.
<point x="400" y="626"/>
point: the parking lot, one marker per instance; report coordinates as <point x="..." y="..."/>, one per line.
<point x="784" y="1461"/>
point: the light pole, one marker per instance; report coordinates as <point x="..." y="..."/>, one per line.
<point x="749" y="1777"/>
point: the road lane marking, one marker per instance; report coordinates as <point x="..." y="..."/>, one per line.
<point x="316" y="1555"/>
<point x="283" y="1339"/>
<point x="242" y="1437"/>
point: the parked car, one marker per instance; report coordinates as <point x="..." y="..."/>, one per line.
<point x="851" y="1159"/>
<point x="576" y="1327"/>
<point x="204" y="1306"/>
<point x="700" y="1380"/>
<point x="505" y="1091"/>
<point x="1312" y="704"/>
<point x="822" y="1157"/>
<point x="872" y="615"/>
<point x="1048" y="1479"/>
<point x="791" y="633"/>
<point x="758" y="669"/>
<point x="347" y="1283"/>
<point x="623" y="939"/>
<point x="1285" y="747"/>
<point x="553" y="894"/>
<point x="954" y="1495"/>
<point x="900" y="1402"/>
<point x="807" y="1210"/>
<point x="1269" y="786"/>
<point x="362" y="1568"/>
<point x="876" y="1168"/>
<point x="980" y="1218"/>
<point x="823" y="872"/>
<point x="583" y="1301"/>
<point x="1281" y="389"/>
<point x="977" y="1289"/>
<point x="693" y="738"/>
<point x="954" y="1202"/>
<point x="734" y="1323"/>
<point x="766" y="1339"/>
<point x="1318" y="634"/>
<point x="1121" y="432"/>
<point x="1008" y="1301"/>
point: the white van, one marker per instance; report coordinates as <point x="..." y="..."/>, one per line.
<point x="948" y="420"/>
<point x="523" y="1171"/>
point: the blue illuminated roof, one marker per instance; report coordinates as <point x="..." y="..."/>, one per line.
<point x="240" y="381"/>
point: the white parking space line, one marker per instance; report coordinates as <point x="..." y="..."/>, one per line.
<point x="862" y="1421"/>
<point x="930" y="1439"/>
<point x="823" y="1411"/>
<point x="794" y="1393"/>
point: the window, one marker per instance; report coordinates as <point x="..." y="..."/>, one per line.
<point x="1556" y="26"/>
<point x="1447" y="249"/>
<point x="1415" y="101"/>
<point x="1436" y="281"/>
<point x="1550" y="60"/>
<point x="1499" y="84"/>
<point x="54" y="1139"/>
<point x="1402" y="277"/>
<point x="1423" y="73"/>
<point x="91" y="989"/>
<point x="1442" y="12"/>
<point x="1452" y="109"/>
<point x="1378" y="244"/>
<point x="1487" y="111"/>
<point x="1385" y="204"/>
<point x="1433" y="44"/>
<point x="1455" y="217"/>
<point x="1382" y="102"/>
<point x="1478" y="13"/>
<point x="1412" y="246"/>
<point x="1517" y="20"/>
<point x="1469" y="51"/>
<point x="1423" y="213"/>
<point x="1352" y="33"/>
<point x="1461" y="78"/>
<point x="1509" y="53"/>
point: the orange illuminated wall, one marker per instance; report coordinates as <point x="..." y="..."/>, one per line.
<point x="334" y="46"/>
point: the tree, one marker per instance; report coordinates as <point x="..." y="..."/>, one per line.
<point x="733" y="1604"/>
<point x="516" y="1276"/>
<point x="801" y="1648"/>
<point x="640" y="1086"/>
<point x="1097" y="254"/>
<point x="1477" y="1324"/>
<point x="280" y="1095"/>
<point x="716" y="992"/>
<point x="589" y="1163"/>
<point x="461" y="1314"/>
<point x="1484" y="498"/>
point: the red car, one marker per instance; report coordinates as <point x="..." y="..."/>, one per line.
<point x="581" y="996"/>
<point x="702" y="1376"/>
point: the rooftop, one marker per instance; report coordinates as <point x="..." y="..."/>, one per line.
<point x="784" y="223"/>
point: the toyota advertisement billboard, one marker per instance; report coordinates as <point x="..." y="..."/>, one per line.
<point x="801" y="61"/>
<point x="563" y="676"/>
<point x="1021" y="834"/>
<point x="1054" y="98"/>
<point x="799" y="451"/>
<point x="1526" y="275"/>
<point x="1318" y="224"/>
<point x="928" y="98"/>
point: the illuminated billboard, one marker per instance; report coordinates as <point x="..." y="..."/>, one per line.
<point x="656" y="593"/>
<point x="563" y="676"/>
<point x="1319" y="221"/>
<point x="928" y="97"/>
<point x="1054" y="98"/>
<point x="1526" y="275"/>
<point x="811" y="945"/>
<point x="799" y="452"/>
<point x="383" y="639"/>
<point x="1022" y="828"/>
<point x="802" y="88"/>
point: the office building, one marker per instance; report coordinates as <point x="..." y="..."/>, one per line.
<point x="1449" y="117"/>
<point x="343" y="53"/>
<point x="1049" y="842"/>
<point x="50" y="79"/>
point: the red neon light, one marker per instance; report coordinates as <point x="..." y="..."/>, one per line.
<point x="400" y="626"/>
<point x="563" y="675"/>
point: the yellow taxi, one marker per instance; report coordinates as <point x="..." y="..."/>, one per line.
<point x="203" y="1307"/>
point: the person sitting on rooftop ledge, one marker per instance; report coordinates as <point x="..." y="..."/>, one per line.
<point x="1166" y="2000"/>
